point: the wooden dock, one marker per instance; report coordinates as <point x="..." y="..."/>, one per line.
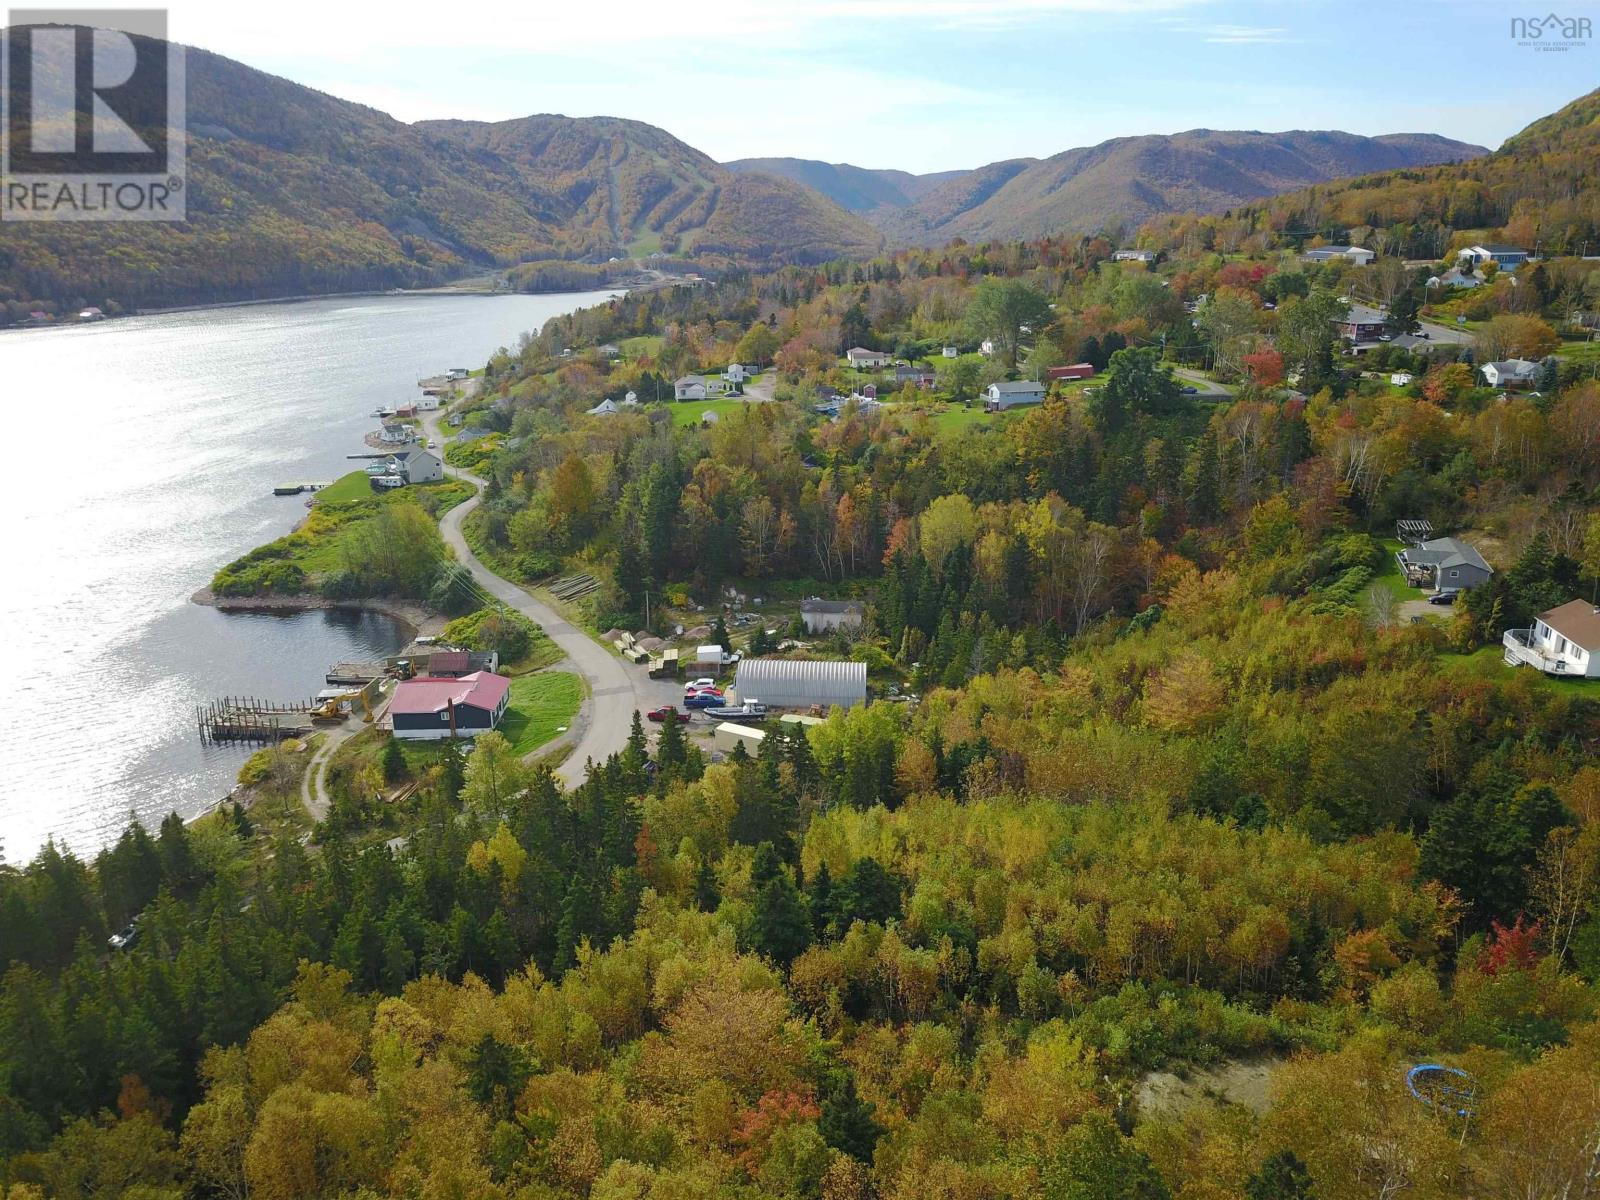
<point x="356" y="674"/>
<point x="248" y="719"/>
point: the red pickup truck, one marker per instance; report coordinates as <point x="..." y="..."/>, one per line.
<point x="666" y="712"/>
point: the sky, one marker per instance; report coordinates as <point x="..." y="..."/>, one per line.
<point x="920" y="85"/>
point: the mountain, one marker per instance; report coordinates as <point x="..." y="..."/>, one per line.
<point x="858" y="189"/>
<point x="1540" y="189"/>
<point x="1124" y="181"/>
<point x="293" y="191"/>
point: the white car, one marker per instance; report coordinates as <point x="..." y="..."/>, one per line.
<point x="696" y="684"/>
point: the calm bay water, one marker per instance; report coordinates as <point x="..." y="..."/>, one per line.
<point x="143" y="456"/>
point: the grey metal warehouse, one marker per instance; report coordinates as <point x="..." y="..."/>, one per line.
<point x="784" y="683"/>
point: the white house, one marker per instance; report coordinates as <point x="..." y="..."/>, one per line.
<point x="986" y="348"/>
<point x="632" y="398"/>
<point x="1002" y="396"/>
<point x="1359" y="255"/>
<point x="1508" y="257"/>
<point x="690" y="387"/>
<point x="1563" y="641"/>
<point x="417" y="466"/>
<point x="821" y="616"/>
<point x="395" y="434"/>
<point x="950" y="352"/>
<point x="860" y="356"/>
<point x="1144" y="256"/>
<point x="1511" y="372"/>
<point x="429" y="402"/>
<point x="735" y="373"/>
<point x="606" y="408"/>
<point x="1401" y="378"/>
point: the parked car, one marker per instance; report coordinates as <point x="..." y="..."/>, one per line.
<point x="123" y="938"/>
<point x="702" y="691"/>
<point x="694" y="685"/>
<point x="1447" y="596"/>
<point x="666" y="712"/>
<point x="703" y="700"/>
<point x="1191" y="391"/>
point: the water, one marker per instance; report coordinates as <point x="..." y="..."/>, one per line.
<point x="142" y="458"/>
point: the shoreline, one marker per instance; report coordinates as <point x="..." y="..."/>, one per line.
<point x="447" y="290"/>
<point x="416" y="616"/>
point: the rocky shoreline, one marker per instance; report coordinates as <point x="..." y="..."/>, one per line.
<point x="418" y="617"/>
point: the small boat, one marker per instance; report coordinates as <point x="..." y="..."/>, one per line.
<point x="752" y="709"/>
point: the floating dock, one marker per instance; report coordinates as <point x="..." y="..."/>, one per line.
<point x="294" y="489"/>
<point x="358" y="674"/>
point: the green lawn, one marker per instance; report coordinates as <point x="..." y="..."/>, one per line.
<point x="1389" y="574"/>
<point x="1489" y="663"/>
<point x="638" y="347"/>
<point x="687" y="412"/>
<point x="354" y="486"/>
<point x="951" y="419"/>
<point x="540" y="706"/>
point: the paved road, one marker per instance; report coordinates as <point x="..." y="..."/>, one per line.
<point x="616" y="688"/>
<point x="1208" y="386"/>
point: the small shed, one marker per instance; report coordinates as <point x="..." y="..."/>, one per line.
<point x="707" y="659"/>
<point x="728" y="735"/>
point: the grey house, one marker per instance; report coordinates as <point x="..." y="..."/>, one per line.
<point x="821" y="616"/>
<point x="1445" y="563"/>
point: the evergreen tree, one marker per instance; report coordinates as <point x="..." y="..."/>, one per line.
<point x="847" y="1122"/>
<point x="782" y="925"/>
<point x="393" y="762"/>
<point x="1282" y="1176"/>
<point x="706" y="896"/>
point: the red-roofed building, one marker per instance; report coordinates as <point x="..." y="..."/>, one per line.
<point x="428" y="708"/>
<point x="1075" y="371"/>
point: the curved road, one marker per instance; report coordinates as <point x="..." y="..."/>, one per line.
<point x="616" y="688"/>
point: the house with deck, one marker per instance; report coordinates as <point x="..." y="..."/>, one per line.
<point x="1511" y="373"/>
<point x="1564" y="640"/>
<point x="1445" y="564"/>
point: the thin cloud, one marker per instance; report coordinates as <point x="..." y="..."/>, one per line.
<point x="1245" y="35"/>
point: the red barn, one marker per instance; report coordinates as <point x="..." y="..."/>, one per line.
<point x="1075" y="371"/>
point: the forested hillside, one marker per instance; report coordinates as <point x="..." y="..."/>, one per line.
<point x="1161" y="779"/>
<point x="1538" y="191"/>
<point x="292" y="191"/>
<point x="1118" y="183"/>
